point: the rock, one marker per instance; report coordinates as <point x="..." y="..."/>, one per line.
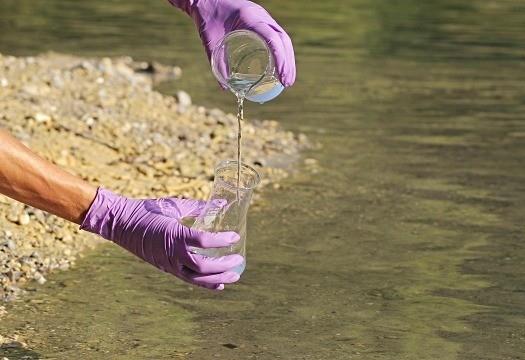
<point x="39" y="278"/>
<point x="310" y="162"/>
<point x="11" y="245"/>
<point x="218" y="113"/>
<point x="23" y="219"/>
<point x="31" y="89"/>
<point x="25" y="268"/>
<point x="124" y="70"/>
<point x="11" y="216"/>
<point x="89" y="120"/>
<point x="14" y="275"/>
<point x="39" y="215"/>
<point x="184" y="100"/>
<point x="303" y="139"/>
<point x="42" y="118"/>
<point x="177" y="72"/>
<point x="4" y="82"/>
<point x="189" y="169"/>
<point x="102" y="120"/>
<point x="67" y="238"/>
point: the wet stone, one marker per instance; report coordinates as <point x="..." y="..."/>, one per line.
<point x="39" y="278"/>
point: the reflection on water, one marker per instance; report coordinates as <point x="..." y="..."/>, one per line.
<point x="408" y="244"/>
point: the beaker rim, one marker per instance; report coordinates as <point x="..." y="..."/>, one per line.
<point x="230" y="163"/>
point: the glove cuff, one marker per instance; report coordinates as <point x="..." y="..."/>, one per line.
<point x="99" y="218"/>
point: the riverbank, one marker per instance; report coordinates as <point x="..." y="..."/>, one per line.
<point x="102" y="119"/>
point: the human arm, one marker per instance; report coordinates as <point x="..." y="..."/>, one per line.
<point x="143" y="227"/>
<point x="216" y="18"/>
<point x="32" y="180"/>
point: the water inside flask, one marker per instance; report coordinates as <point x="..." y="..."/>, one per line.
<point x="243" y="63"/>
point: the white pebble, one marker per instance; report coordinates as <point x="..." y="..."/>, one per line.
<point x="90" y="121"/>
<point x="177" y="71"/>
<point x="11" y="245"/>
<point x="42" y="118"/>
<point x="183" y="98"/>
<point x="23" y="219"/>
<point x="39" y="278"/>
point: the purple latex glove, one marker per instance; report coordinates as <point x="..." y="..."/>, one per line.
<point x="216" y="18"/>
<point x="151" y="230"/>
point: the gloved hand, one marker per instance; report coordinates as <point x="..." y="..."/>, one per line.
<point x="151" y="230"/>
<point x="216" y="18"/>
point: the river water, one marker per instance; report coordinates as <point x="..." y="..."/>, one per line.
<point x="408" y="243"/>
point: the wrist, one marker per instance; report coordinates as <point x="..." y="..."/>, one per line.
<point x="100" y="217"/>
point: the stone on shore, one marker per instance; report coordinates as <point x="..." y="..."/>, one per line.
<point x="102" y="120"/>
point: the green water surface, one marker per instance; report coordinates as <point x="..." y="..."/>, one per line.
<point x="408" y="243"/>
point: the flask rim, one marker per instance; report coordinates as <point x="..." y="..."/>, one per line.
<point x="213" y="61"/>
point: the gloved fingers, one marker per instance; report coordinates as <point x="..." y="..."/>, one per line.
<point x="182" y="275"/>
<point x="213" y="206"/>
<point x="179" y="208"/>
<point x="210" y="38"/>
<point x="211" y="265"/>
<point x="289" y="77"/>
<point x="186" y="207"/>
<point x="175" y="208"/>
<point x="203" y="239"/>
<point x="227" y="277"/>
<point x="284" y="65"/>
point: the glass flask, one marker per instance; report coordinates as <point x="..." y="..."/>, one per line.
<point x="227" y="208"/>
<point x="243" y="63"/>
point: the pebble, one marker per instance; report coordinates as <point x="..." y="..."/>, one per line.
<point x="184" y="100"/>
<point x="310" y="162"/>
<point x="42" y="118"/>
<point x="11" y="245"/>
<point x="11" y="216"/>
<point x="40" y="279"/>
<point x="23" y="219"/>
<point x="105" y="122"/>
<point x="177" y="71"/>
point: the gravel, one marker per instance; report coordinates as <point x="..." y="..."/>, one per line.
<point x="102" y="119"/>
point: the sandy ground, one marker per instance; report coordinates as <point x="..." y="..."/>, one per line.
<point x="102" y="120"/>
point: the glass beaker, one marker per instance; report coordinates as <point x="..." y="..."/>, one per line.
<point x="224" y="211"/>
<point x="243" y="63"/>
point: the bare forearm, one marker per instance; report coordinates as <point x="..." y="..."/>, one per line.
<point x="28" y="178"/>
